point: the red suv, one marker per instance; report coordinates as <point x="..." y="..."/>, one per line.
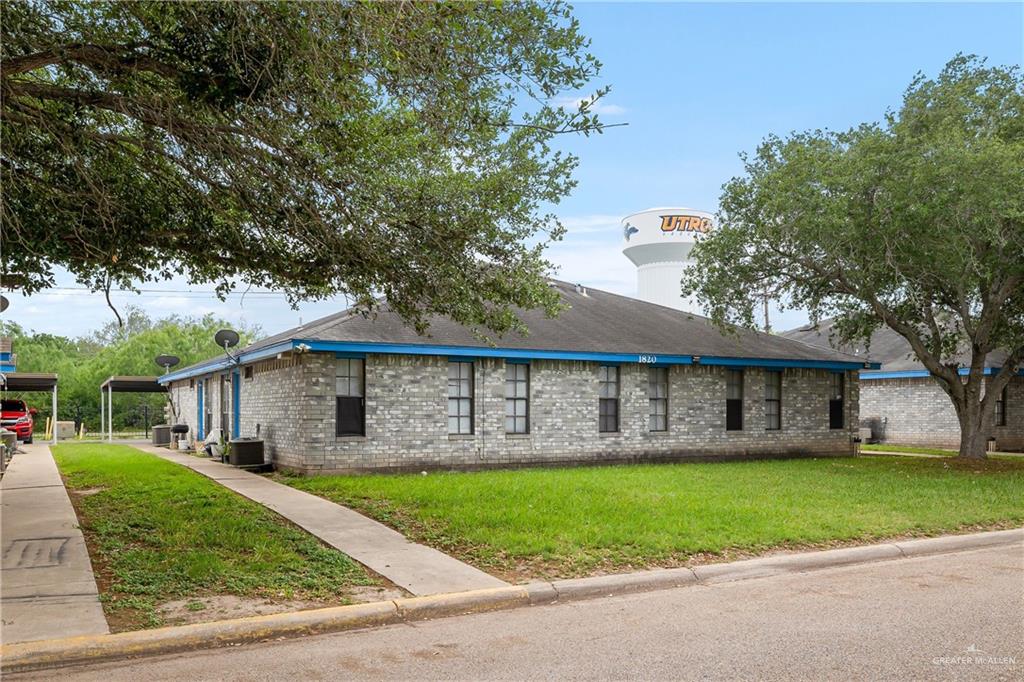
<point x="16" y="416"/>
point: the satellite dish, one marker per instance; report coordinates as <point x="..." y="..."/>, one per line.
<point x="166" y="361"/>
<point x="4" y="303"/>
<point x="226" y="338"/>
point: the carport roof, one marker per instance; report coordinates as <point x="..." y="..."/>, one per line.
<point x="28" y="381"/>
<point x="133" y="384"/>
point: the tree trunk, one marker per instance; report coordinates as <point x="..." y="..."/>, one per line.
<point x="973" y="431"/>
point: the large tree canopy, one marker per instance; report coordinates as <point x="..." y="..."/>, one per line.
<point x="917" y="223"/>
<point x="367" y="148"/>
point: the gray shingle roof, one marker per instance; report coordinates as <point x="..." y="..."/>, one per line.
<point x="887" y="347"/>
<point x="594" y="321"/>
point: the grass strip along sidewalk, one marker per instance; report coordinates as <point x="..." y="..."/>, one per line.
<point x="547" y="523"/>
<point x="160" y="533"/>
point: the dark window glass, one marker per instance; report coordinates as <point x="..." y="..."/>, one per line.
<point x="350" y="408"/>
<point x="517" y="398"/>
<point x="734" y="399"/>
<point x="773" y="401"/>
<point x="460" y="397"/>
<point x="608" y="396"/>
<point x="657" y="395"/>
<point x="836" y="419"/>
<point x="1001" y="408"/>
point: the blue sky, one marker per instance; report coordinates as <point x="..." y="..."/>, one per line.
<point x="697" y="84"/>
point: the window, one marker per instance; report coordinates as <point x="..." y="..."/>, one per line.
<point x="657" y="396"/>
<point x="608" y="393"/>
<point x="350" y="412"/>
<point x="835" y="402"/>
<point x="1001" y="408"/>
<point x="734" y="400"/>
<point x="517" y="398"/>
<point x="248" y="372"/>
<point x="772" y="401"/>
<point x="192" y="383"/>
<point x="460" y="397"/>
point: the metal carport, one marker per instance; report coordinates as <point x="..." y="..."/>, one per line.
<point x="33" y="382"/>
<point x="123" y="384"/>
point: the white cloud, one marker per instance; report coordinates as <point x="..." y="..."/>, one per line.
<point x="592" y="224"/>
<point x="600" y="107"/>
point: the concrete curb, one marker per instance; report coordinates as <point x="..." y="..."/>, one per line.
<point x="93" y="649"/>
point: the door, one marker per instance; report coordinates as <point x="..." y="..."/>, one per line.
<point x="208" y="406"/>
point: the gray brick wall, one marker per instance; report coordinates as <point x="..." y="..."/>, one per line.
<point x="918" y="412"/>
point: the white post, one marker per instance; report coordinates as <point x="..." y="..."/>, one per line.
<point x="103" y="413"/>
<point x="110" y="413"/>
<point x="54" y="412"/>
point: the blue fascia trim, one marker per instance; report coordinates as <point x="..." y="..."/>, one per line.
<point x="782" y="364"/>
<point x="923" y="373"/>
<point x="471" y="352"/>
<point x="236" y="408"/>
<point x="225" y="363"/>
<point x="354" y="349"/>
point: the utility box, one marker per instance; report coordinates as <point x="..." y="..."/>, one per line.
<point x="162" y="435"/>
<point x="65" y="430"/>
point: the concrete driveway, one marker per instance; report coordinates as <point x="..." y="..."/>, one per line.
<point x="950" y="616"/>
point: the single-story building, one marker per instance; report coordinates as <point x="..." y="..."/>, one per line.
<point x="904" y="405"/>
<point x="611" y="379"/>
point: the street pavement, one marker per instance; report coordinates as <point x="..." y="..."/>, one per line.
<point x="950" y="616"/>
<point x="48" y="587"/>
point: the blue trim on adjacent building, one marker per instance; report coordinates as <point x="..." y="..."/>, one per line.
<point x="923" y="373"/>
<point x="8" y="368"/>
<point x="360" y="349"/>
<point x="6" y="357"/>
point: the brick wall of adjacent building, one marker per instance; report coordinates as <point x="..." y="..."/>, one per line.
<point x="918" y="412"/>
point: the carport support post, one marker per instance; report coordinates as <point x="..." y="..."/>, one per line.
<point x="103" y="413"/>
<point x="54" y="413"/>
<point x="110" y="413"/>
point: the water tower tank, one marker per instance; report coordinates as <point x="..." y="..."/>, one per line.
<point x="658" y="241"/>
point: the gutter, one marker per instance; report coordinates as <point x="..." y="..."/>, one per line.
<point x="356" y="348"/>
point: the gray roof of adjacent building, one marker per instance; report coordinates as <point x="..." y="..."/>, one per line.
<point x="593" y="322"/>
<point x="886" y="347"/>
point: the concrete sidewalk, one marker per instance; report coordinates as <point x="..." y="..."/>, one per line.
<point x="419" y="569"/>
<point x="49" y="590"/>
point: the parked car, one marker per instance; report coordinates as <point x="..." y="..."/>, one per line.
<point x="17" y="416"/>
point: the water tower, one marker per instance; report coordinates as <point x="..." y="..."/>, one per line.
<point x="658" y="241"/>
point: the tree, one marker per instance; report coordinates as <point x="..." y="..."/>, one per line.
<point x="399" y="149"/>
<point x="83" y="364"/>
<point x="917" y="223"/>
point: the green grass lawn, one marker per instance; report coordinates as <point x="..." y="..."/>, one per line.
<point x="567" y="522"/>
<point x="910" y="449"/>
<point x="159" y="532"/>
